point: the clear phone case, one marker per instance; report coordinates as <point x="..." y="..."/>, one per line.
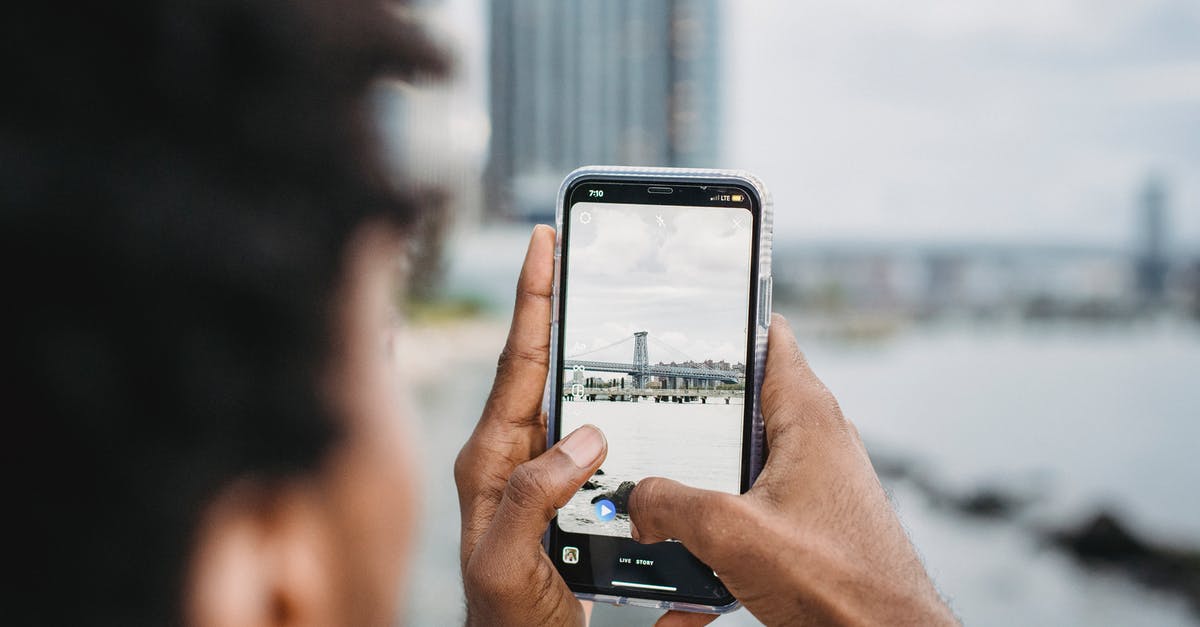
<point x="761" y="297"/>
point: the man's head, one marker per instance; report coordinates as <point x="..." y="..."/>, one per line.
<point x="200" y="251"/>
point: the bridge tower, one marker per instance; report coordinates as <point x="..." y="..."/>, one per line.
<point x="641" y="360"/>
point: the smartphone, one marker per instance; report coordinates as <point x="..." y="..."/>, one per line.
<point x="662" y="302"/>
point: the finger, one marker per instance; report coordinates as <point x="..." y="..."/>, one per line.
<point x="684" y="619"/>
<point x="511" y="429"/>
<point x="792" y="395"/>
<point x="515" y="400"/>
<point x="710" y="524"/>
<point x="538" y="487"/>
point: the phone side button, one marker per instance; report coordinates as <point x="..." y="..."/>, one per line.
<point x="765" y="314"/>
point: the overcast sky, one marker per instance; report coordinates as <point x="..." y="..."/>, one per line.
<point x="1011" y="120"/>
<point x="686" y="282"/>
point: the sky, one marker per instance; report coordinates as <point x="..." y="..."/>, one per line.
<point x="1012" y="121"/>
<point x="686" y="281"/>
<point x="993" y="120"/>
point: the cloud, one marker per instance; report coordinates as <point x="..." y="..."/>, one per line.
<point x="981" y="120"/>
<point x="686" y="281"/>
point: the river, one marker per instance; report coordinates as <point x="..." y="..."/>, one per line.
<point x="1082" y="417"/>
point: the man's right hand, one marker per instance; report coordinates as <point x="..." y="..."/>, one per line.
<point x="815" y="540"/>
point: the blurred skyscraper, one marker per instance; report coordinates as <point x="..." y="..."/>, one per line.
<point x="1150" y="252"/>
<point x="577" y="82"/>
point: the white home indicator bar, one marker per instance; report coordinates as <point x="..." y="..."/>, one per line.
<point x="646" y="586"/>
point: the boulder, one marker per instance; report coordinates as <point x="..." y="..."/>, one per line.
<point x="1105" y="541"/>
<point x="619" y="497"/>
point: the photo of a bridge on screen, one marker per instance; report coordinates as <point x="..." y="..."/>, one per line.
<point x="655" y="332"/>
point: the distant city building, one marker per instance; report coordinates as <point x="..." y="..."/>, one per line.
<point x="1150" y="250"/>
<point x="614" y="82"/>
<point x="906" y="279"/>
<point x="707" y="364"/>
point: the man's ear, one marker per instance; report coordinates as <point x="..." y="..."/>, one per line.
<point x="263" y="556"/>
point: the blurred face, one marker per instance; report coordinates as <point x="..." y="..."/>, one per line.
<point x="329" y="549"/>
<point x="371" y="478"/>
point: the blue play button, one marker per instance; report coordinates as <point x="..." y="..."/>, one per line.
<point x="605" y="510"/>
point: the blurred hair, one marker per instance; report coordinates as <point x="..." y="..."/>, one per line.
<point x="178" y="183"/>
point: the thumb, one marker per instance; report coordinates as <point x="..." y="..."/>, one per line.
<point x="793" y="398"/>
<point x="709" y="523"/>
<point x="538" y="487"/>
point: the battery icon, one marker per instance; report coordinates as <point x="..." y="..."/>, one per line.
<point x="737" y="198"/>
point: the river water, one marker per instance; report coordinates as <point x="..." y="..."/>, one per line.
<point x="1082" y="417"/>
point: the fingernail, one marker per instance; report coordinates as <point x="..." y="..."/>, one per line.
<point x="633" y="532"/>
<point x="584" y="445"/>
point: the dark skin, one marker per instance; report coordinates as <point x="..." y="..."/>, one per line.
<point x="508" y="484"/>
<point x="815" y="540"/>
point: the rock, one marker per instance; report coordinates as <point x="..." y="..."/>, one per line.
<point x="986" y="502"/>
<point x="1105" y="542"/>
<point x="1103" y="538"/>
<point x="600" y="472"/>
<point x="619" y="497"/>
<point x="590" y="485"/>
<point x="989" y="503"/>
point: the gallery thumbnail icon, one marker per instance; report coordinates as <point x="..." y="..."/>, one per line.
<point x="570" y="555"/>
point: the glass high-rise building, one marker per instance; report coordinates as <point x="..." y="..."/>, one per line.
<point x="1151" y="260"/>
<point x="578" y="82"/>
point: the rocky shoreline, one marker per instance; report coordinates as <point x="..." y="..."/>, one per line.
<point x="618" y="496"/>
<point x="1101" y="541"/>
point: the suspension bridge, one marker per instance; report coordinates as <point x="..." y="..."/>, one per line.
<point x="641" y="370"/>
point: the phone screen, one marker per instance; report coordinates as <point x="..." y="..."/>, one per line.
<point x="656" y="329"/>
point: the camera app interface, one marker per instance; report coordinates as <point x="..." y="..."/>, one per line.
<point x="655" y="339"/>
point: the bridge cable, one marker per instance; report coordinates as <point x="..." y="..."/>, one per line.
<point x="595" y="350"/>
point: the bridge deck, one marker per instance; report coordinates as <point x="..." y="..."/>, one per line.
<point x="654" y="392"/>
<point x="683" y="372"/>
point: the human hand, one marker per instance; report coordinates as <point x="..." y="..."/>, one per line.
<point x="815" y="540"/>
<point x="509" y="485"/>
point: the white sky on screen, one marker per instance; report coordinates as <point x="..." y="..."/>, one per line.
<point x="686" y="282"/>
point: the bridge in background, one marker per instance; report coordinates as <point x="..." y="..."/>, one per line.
<point x="641" y="370"/>
<point x="659" y="395"/>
